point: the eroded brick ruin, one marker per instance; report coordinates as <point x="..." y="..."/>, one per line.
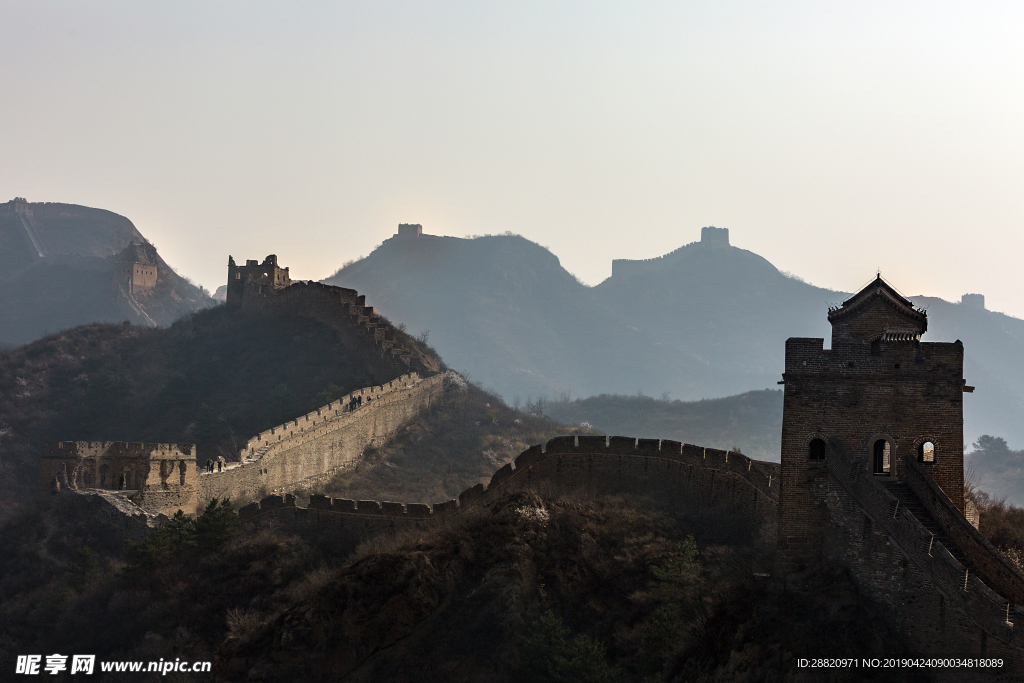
<point x="161" y="477"/>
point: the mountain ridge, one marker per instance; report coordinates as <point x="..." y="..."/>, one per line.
<point x="59" y="268"/>
<point x="706" y="320"/>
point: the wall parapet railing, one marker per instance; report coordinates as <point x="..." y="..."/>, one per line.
<point x="995" y="568"/>
<point x="979" y="602"/>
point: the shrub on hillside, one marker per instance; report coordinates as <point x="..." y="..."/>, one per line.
<point x="207" y="533"/>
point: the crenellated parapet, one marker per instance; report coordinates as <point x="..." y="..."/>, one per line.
<point x="597" y="463"/>
<point x="314" y="447"/>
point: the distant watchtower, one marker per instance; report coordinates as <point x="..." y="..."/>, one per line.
<point x="881" y="395"/>
<point x="136" y="267"/>
<point x="20" y="205"/>
<point x="714" y="238"/>
<point x="973" y="300"/>
<point x="255" y="279"/>
<point x="410" y="230"/>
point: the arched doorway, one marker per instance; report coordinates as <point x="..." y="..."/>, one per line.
<point x="881" y="461"/>
<point x="816" y="449"/>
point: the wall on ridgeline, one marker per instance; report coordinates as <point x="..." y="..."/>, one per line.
<point x="647" y="467"/>
<point x="313" y="447"/>
<point x="345" y="311"/>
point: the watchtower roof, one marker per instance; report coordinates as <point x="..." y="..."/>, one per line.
<point x="882" y="307"/>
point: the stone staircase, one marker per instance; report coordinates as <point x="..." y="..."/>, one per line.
<point x="908" y="500"/>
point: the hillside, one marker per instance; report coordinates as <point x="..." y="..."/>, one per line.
<point x="751" y="422"/>
<point x="214" y="378"/>
<point x="503" y="306"/>
<point x="996" y="470"/>
<point x="533" y="588"/>
<point x="58" y="265"/>
<point x="707" y="320"/>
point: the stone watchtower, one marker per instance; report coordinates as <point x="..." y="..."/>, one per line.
<point x="136" y="267"/>
<point x="255" y="280"/>
<point x="881" y="395"/>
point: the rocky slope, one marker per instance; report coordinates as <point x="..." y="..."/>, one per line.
<point x="556" y="589"/>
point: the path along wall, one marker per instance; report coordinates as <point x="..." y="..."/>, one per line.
<point x="315" y="446"/>
<point x="648" y="467"/>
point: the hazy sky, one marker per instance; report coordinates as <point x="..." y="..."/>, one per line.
<point x="831" y="138"/>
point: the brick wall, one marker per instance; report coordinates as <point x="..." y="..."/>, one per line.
<point x="313" y="447"/>
<point x="648" y="467"/>
<point x="936" y="602"/>
<point x="861" y="391"/>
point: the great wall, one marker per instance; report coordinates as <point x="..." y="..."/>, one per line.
<point x="312" y="448"/>
<point x="596" y="464"/>
<point x="871" y="473"/>
<point x="163" y="478"/>
<point x="710" y="238"/>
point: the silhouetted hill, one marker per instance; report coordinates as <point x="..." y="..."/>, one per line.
<point x="751" y="422"/>
<point x="57" y="270"/>
<point x="502" y="305"/>
<point x="997" y="471"/>
<point x="707" y="320"/>
<point x="717" y="318"/>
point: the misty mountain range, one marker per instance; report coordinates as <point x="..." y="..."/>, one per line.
<point x="706" y="320"/>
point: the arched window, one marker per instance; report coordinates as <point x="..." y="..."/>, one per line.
<point x="882" y="457"/>
<point x="926" y="452"/>
<point x="816" y="450"/>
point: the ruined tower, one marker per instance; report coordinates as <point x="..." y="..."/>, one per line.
<point x="160" y="478"/>
<point x="881" y="396"/>
<point x="255" y="280"/>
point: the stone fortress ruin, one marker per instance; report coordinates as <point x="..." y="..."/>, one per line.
<point x="871" y="473"/>
<point x="161" y="477"/>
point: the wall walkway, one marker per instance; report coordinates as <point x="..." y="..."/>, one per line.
<point x="313" y="447"/>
